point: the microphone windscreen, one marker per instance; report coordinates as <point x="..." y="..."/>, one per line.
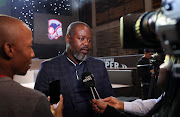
<point x="88" y="79"/>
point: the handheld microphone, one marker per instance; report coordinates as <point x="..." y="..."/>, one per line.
<point x="88" y="81"/>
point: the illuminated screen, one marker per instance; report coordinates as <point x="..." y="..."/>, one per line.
<point x="49" y="34"/>
<point x="50" y="29"/>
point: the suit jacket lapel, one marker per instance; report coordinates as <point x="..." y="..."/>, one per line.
<point x="67" y="78"/>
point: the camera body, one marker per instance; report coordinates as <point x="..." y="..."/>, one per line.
<point x="158" y="29"/>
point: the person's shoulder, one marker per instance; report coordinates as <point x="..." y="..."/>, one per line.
<point x="33" y="98"/>
<point x="142" y="58"/>
<point x="24" y="92"/>
<point x="17" y="96"/>
<point x="52" y="60"/>
<point x="31" y="92"/>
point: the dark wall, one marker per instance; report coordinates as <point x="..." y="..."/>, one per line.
<point x="5" y="7"/>
<point x="46" y="51"/>
<point x="85" y="12"/>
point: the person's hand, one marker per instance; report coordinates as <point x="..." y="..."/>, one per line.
<point x="152" y="71"/>
<point x="163" y="72"/>
<point x="163" y="78"/>
<point x="114" y="102"/>
<point x="98" y="105"/>
<point x="58" y="111"/>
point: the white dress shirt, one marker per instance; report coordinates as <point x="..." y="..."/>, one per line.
<point x="140" y="107"/>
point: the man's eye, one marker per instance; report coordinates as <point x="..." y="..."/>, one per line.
<point x="89" y="40"/>
<point x="81" y="39"/>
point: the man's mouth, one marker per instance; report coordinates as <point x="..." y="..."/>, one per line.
<point x="84" y="50"/>
<point x="30" y="64"/>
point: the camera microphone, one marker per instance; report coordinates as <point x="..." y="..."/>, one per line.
<point x="88" y="81"/>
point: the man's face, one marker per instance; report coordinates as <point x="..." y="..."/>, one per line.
<point x="80" y="42"/>
<point x="23" y="51"/>
<point x="148" y="54"/>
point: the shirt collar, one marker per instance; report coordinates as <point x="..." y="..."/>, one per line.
<point x="73" y="61"/>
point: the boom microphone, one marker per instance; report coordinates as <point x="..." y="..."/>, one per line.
<point x="88" y="81"/>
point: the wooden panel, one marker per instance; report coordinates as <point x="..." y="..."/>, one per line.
<point x="111" y="10"/>
<point x="108" y="38"/>
<point x="108" y="44"/>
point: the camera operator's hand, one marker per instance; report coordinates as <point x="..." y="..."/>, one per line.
<point x="162" y="80"/>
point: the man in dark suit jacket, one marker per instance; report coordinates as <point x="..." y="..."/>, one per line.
<point x="15" y="58"/>
<point x="68" y="68"/>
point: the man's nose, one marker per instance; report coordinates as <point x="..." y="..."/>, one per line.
<point x="86" y="42"/>
<point x="32" y="54"/>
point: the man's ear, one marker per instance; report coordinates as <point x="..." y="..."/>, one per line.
<point x="8" y="49"/>
<point x="68" y="38"/>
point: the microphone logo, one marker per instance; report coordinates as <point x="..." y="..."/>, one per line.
<point x="88" y="81"/>
<point x="87" y="78"/>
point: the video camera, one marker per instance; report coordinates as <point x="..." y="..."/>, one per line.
<point x="160" y="28"/>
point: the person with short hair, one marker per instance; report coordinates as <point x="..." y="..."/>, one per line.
<point x="15" y="58"/>
<point x="144" y="70"/>
<point x="68" y="68"/>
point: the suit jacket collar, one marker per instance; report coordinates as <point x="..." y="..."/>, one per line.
<point x="63" y="65"/>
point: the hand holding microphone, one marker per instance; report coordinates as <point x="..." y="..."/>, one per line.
<point x="98" y="105"/>
<point x="88" y="81"/>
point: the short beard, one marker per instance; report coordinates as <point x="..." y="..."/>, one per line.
<point x="77" y="55"/>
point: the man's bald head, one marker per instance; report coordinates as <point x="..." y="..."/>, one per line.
<point x="10" y="29"/>
<point x="15" y="46"/>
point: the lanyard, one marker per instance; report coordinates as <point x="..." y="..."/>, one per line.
<point x="2" y="75"/>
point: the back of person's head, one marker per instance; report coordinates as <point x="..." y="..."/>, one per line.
<point x="5" y="36"/>
<point x="15" y="46"/>
<point x="9" y="30"/>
